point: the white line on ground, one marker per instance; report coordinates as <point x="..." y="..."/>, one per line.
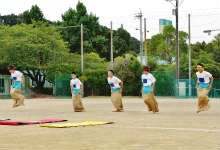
<point x="165" y="128"/>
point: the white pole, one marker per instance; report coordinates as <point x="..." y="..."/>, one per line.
<point x="141" y="38"/>
<point x="111" y="32"/>
<point x="177" y="46"/>
<point x="81" y="47"/>
<point x="145" y="41"/>
<point x="190" y="88"/>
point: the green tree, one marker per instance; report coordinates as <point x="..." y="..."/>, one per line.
<point x="129" y="70"/>
<point x="134" y="45"/>
<point x="74" y="18"/>
<point x="95" y="82"/>
<point x="10" y="20"/>
<point x="163" y="45"/>
<point x="215" y="45"/>
<point x="33" y="15"/>
<point x="121" y="42"/>
<point x="35" y="49"/>
<point x="96" y="36"/>
<point x="92" y="61"/>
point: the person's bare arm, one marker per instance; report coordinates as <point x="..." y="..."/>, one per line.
<point x="71" y="90"/>
<point x="121" y="85"/>
<point x="23" y="81"/>
<point x="211" y="83"/>
<point x="81" y="88"/>
<point x="197" y="82"/>
<point x="12" y="83"/>
<point x="153" y="85"/>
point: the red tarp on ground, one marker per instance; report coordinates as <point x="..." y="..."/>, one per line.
<point x="16" y="123"/>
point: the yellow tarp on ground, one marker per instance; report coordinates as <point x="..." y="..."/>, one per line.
<point x="70" y="124"/>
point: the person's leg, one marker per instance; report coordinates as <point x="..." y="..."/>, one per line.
<point x="14" y="97"/>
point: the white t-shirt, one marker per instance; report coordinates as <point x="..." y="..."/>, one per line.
<point x="75" y="83"/>
<point x="147" y="79"/>
<point x="203" y="77"/>
<point x="16" y="76"/>
<point x="114" y="82"/>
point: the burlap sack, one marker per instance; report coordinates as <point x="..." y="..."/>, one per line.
<point x="77" y="103"/>
<point x="116" y="99"/>
<point x="203" y="100"/>
<point x="150" y="101"/>
<point x="17" y="96"/>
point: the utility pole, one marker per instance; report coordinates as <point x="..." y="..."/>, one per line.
<point x="145" y="42"/>
<point x="139" y="16"/>
<point x="111" y="54"/>
<point x="177" y="45"/>
<point x="189" y="32"/>
<point x="81" y="28"/>
<point x="177" y="41"/>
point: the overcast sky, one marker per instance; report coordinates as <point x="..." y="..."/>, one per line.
<point x="205" y="13"/>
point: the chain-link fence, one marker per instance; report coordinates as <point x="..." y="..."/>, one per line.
<point x="5" y="86"/>
<point x="165" y="86"/>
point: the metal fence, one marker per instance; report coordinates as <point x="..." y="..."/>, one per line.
<point x="5" y="86"/>
<point x="165" y="86"/>
<point x="184" y="89"/>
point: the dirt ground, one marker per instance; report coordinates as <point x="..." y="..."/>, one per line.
<point x="176" y="127"/>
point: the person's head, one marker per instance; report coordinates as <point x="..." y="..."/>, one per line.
<point x="11" y="68"/>
<point x="110" y="73"/>
<point x="146" y="69"/>
<point x="200" y="67"/>
<point x="73" y="75"/>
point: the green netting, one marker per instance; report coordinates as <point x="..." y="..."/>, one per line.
<point x="5" y="85"/>
<point x="62" y="87"/>
<point x="215" y="91"/>
<point x="165" y="86"/>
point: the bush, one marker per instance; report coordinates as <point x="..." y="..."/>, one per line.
<point x="129" y="70"/>
<point x="95" y="82"/>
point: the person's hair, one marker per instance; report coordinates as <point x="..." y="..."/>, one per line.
<point x="146" y="68"/>
<point x="111" y="71"/>
<point x="11" y="67"/>
<point x="74" y="74"/>
<point x="201" y="64"/>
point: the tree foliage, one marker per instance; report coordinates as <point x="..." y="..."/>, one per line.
<point x="96" y="36"/>
<point x="35" y="49"/>
<point x="129" y="70"/>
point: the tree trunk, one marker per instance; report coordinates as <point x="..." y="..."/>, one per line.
<point x="37" y="76"/>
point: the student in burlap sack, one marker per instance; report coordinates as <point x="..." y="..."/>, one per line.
<point x="204" y="85"/>
<point x="76" y="88"/>
<point x="116" y="91"/>
<point x="148" y="82"/>
<point x="18" y="82"/>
